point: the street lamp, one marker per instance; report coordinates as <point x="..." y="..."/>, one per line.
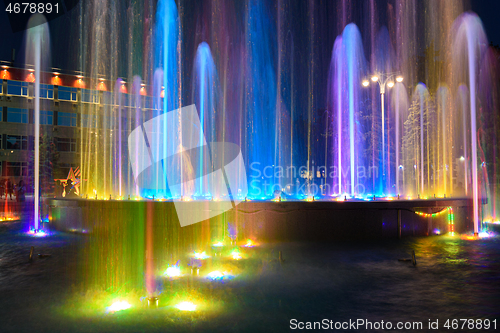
<point x="383" y="79"/>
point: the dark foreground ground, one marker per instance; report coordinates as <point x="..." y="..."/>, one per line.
<point x="454" y="279"/>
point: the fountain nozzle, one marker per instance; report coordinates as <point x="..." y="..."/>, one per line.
<point x="153" y="302"/>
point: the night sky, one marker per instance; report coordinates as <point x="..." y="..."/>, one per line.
<point x="62" y="40"/>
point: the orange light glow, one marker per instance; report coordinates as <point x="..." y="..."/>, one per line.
<point x="123" y="89"/>
<point x="79" y="84"/>
<point x="101" y="86"/>
<point x="5" y="75"/>
<point x="143" y="91"/>
<point x="30" y="77"/>
<point x="162" y="94"/>
<point x="56" y="80"/>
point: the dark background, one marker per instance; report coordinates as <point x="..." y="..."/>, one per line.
<point x="64" y="33"/>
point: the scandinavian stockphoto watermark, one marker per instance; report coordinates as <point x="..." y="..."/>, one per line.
<point x="365" y="324"/>
<point x="169" y="154"/>
<point x="307" y="180"/>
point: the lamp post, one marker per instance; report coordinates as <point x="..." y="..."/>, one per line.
<point x="384" y="79"/>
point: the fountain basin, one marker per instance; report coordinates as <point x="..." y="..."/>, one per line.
<point x="267" y="220"/>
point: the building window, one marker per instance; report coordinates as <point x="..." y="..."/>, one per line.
<point x="46" y="117"/>
<point x="1" y="86"/>
<point x="15" y="115"/>
<point x="17" y="88"/>
<point x="46" y="91"/>
<point x="107" y="98"/>
<point x="90" y="96"/>
<point x="65" y="167"/>
<point x="66" y="144"/>
<point x="66" y="119"/>
<point x="16" y="169"/>
<point x="17" y="142"/>
<point x="89" y="121"/>
<point x="67" y="93"/>
<point x="149" y="102"/>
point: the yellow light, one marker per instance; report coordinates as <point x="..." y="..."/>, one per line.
<point x="366" y="83"/>
<point x="201" y="255"/>
<point x="249" y="243"/>
<point x="118" y="306"/>
<point x="215" y="275"/>
<point x="186" y="306"/>
<point x="236" y="255"/>
<point x="390" y="84"/>
<point x="374" y="78"/>
<point x="173" y="271"/>
<point x="399" y="79"/>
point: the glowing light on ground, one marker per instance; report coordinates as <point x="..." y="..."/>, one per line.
<point x="218" y="275"/>
<point x="2" y="219"/>
<point x="173" y="271"/>
<point x="235" y="255"/>
<point x="202" y="255"/>
<point x="38" y="233"/>
<point x="218" y="244"/>
<point x="249" y="243"/>
<point x="186" y="306"/>
<point x="118" y="306"/>
<point x="215" y="275"/>
<point x="486" y="234"/>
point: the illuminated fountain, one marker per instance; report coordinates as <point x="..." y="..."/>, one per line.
<point x="37" y="51"/>
<point x="404" y="146"/>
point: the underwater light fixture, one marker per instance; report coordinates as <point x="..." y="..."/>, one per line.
<point x="118" y="306"/>
<point x="485" y="234"/>
<point x="186" y="306"/>
<point x="249" y="243"/>
<point x="153" y="302"/>
<point x="235" y="255"/>
<point x="173" y="271"/>
<point x="215" y="275"/>
<point x="201" y="255"/>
